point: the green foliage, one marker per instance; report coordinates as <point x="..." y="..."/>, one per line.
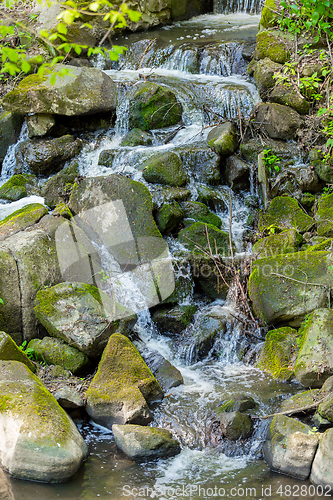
<point x="271" y="161"/>
<point x="28" y="350"/>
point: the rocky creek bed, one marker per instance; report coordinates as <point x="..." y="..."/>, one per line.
<point x="138" y="217"/>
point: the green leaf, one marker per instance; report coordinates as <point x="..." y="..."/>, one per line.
<point x="1" y="301"/>
<point x="53" y="79"/>
<point x="94" y="6"/>
<point x="68" y="17"/>
<point x="61" y="28"/>
<point x="25" y="66"/>
<point x="134" y="16"/>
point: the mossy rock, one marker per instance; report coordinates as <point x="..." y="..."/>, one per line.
<point x="278" y="299"/>
<point x="162" y="194"/>
<point x="324" y="216"/>
<point x="137" y="137"/>
<point x="53" y="351"/>
<point x="235" y="425"/>
<point x="263" y="74"/>
<point x="279" y="353"/>
<point x="10" y="310"/>
<point x="174" y="320"/>
<point x="279" y="122"/>
<point x="284" y="212"/>
<point x="201" y="161"/>
<point x="274" y="45"/>
<point x="40" y="427"/>
<point x="288" y="96"/>
<point x="214" y="198"/>
<point x="122" y="387"/>
<point x="223" y="139"/>
<point x="165" y="168"/>
<point x="323" y="169"/>
<point x="21" y="219"/>
<point x="205" y="236"/>
<point x="62" y="210"/>
<point x="240" y="403"/>
<point x="106" y="157"/>
<point x="58" y="187"/>
<point x="153" y="106"/>
<point x="9" y="351"/>
<point x="301" y="400"/>
<point x="270" y="13"/>
<point x="18" y="186"/>
<point x="201" y="213"/>
<point x="285" y="151"/>
<point x="325" y="409"/>
<point x="287" y="241"/>
<point x="314" y="362"/>
<point x="145" y="443"/>
<point x="169" y="217"/>
<point x="39" y="124"/>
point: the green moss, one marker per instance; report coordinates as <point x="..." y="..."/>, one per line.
<point x="166" y="168"/>
<point x="200" y="237"/>
<point x="10" y="351"/>
<point x="270" y="13"/>
<point x="223" y="139"/>
<point x="324" y="216"/>
<point x="168" y="217"/>
<point x="284" y="212"/>
<point x="201" y="213"/>
<point x="273" y="45"/>
<point x="22" y="218"/>
<point x="279" y="353"/>
<point x="287" y="241"/>
<point x="14" y="189"/>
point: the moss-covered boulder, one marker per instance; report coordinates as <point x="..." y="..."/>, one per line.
<point x="46" y="156"/>
<point x="300" y="400"/>
<point x="200" y="237"/>
<point x="223" y="139"/>
<point x="263" y="73"/>
<point x="323" y="168"/>
<point x="21" y="219"/>
<point x="325" y="409"/>
<point x="285" y="151"/>
<point x="314" y="362"/>
<point x="137" y="137"/>
<point x="287" y="241"/>
<point x="10" y="126"/>
<point x="163" y="194"/>
<point x="47" y="446"/>
<point x="58" y="187"/>
<point x="53" y="351"/>
<point x="288" y="96"/>
<point x="174" y="320"/>
<point x="39" y="124"/>
<point x="237" y="172"/>
<point x="284" y="212"/>
<point x="122" y="387"/>
<point x="274" y="45"/>
<point x="201" y="161"/>
<point x="145" y="443"/>
<point x="235" y="425"/>
<point x="270" y="13"/>
<point x="169" y="217"/>
<point x="9" y="351"/>
<point x="19" y="186"/>
<point x="279" y="353"/>
<point x="240" y="402"/>
<point x="285" y="288"/>
<point x="81" y="315"/>
<point x="216" y="198"/>
<point x="324" y="216"/>
<point x="165" y="168"/>
<point x="153" y="106"/>
<point x="322" y="472"/>
<point x="62" y="210"/>
<point x="81" y="91"/>
<point x="290" y="448"/>
<point x="279" y="122"/>
<point x="198" y="212"/>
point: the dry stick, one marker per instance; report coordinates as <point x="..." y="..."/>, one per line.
<point x="299" y="281"/>
<point x="110" y="28"/>
<point x="295" y="410"/>
<point x="329" y="48"/>
<point x="148" y="46"/>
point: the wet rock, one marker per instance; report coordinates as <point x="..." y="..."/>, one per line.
<point x="325" y="409"/>
<point x="10" y="126"/>
<point x="137" y="137"/>
<point x="321" y="472"/>
<point x="169" y="217"/>
<point x="189" y="8"/>
<point x="235" y="425"/>
<point x="287" y="152"/>
<point x="239" y="403"/>
<point x="223" y="139"/>
<point x="173" y="320"/>
<point x="287" y="241"/>
<point x="21" y="219"/>
<point x="122" y="387"/>
<point x="165" y="168"/>
<point x="277" y="299"/>
<point x="48" y="447"/>
<point x="197" y="344"/>
<point x="19" y="186"/>
<point x="198" y="212"/>
<point x="314" y="362"/>
<point x="45" y="157"/>
<point x="284" y="212"/>
<point x="69" y="398"/>
<point x="81" y="315"/>
<point x="324" y="216"/>
<point x="53" y="351"/>
<point x="106" y="157"/>
<point x="279" y="122"/>
<point x="291" y="179"/>
<point x="162" y="195"/>
<point x="167" y="375"/>
<point x="290" y="97"/>
<point x="214" y="198"/>
<point x="39" y="124"/>
<point x="324" y="169"/>
<point x="201" y="162"/>
<point x="57" y="189"/>
<point x="289" y="448"/>
<point x="153" y="106"/>
<point x="184" y="283"/>
<point x="279" y="353"/>
<point x="145" y="443"/>
<point x="275" y="45"/>
<point x="205" y="236"/>
<point x="80" y="91"/>
<point x="62" y="210"/>
<point x="300" y="400"/>
<point x="263" y="73"/>
<point x="237" y="173"/>
<point x="9" y="351"/>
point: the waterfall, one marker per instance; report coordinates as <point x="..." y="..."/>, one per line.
<point x="235" y="6"/>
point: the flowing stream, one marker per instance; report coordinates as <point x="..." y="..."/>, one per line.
<point x="202" y="60"/>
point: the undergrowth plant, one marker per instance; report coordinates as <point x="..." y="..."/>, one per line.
<point x="271" y="161"/>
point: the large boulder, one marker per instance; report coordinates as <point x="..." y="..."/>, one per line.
<point x="39" y="441"/>
<point x="263" y="74"/>
<point x="122" y="387"/>
<point x="273" y="44"/>
<point x="278" y="121"/>
<point x="235" y="425"/>
<point x="279" y="353"/>
<point x="314" y="362"/>
<point x="19" y="186"/>
<point x="165" y="168"/>
<point x="285" y="288"/>
<point x="56" y="189"/>
<point x="80" y="91"/>
<point x="290" y="448"/>
<point x="324" y="216"/>
<point x="46" y="156"/>
<point x="10" y="352"/>
<point x="81" y="315"/>
<point x="288" y="241"/>
<point x="21" y="219"/>
<point x="322" y="472"/>
<point x="290" y="97"/>
<point x="195" y="211"/>
<point x="223" y="139"/>
<point x="145" y="443"/>
<point x="284" y="212"/>
<point x="153" y="106"/>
